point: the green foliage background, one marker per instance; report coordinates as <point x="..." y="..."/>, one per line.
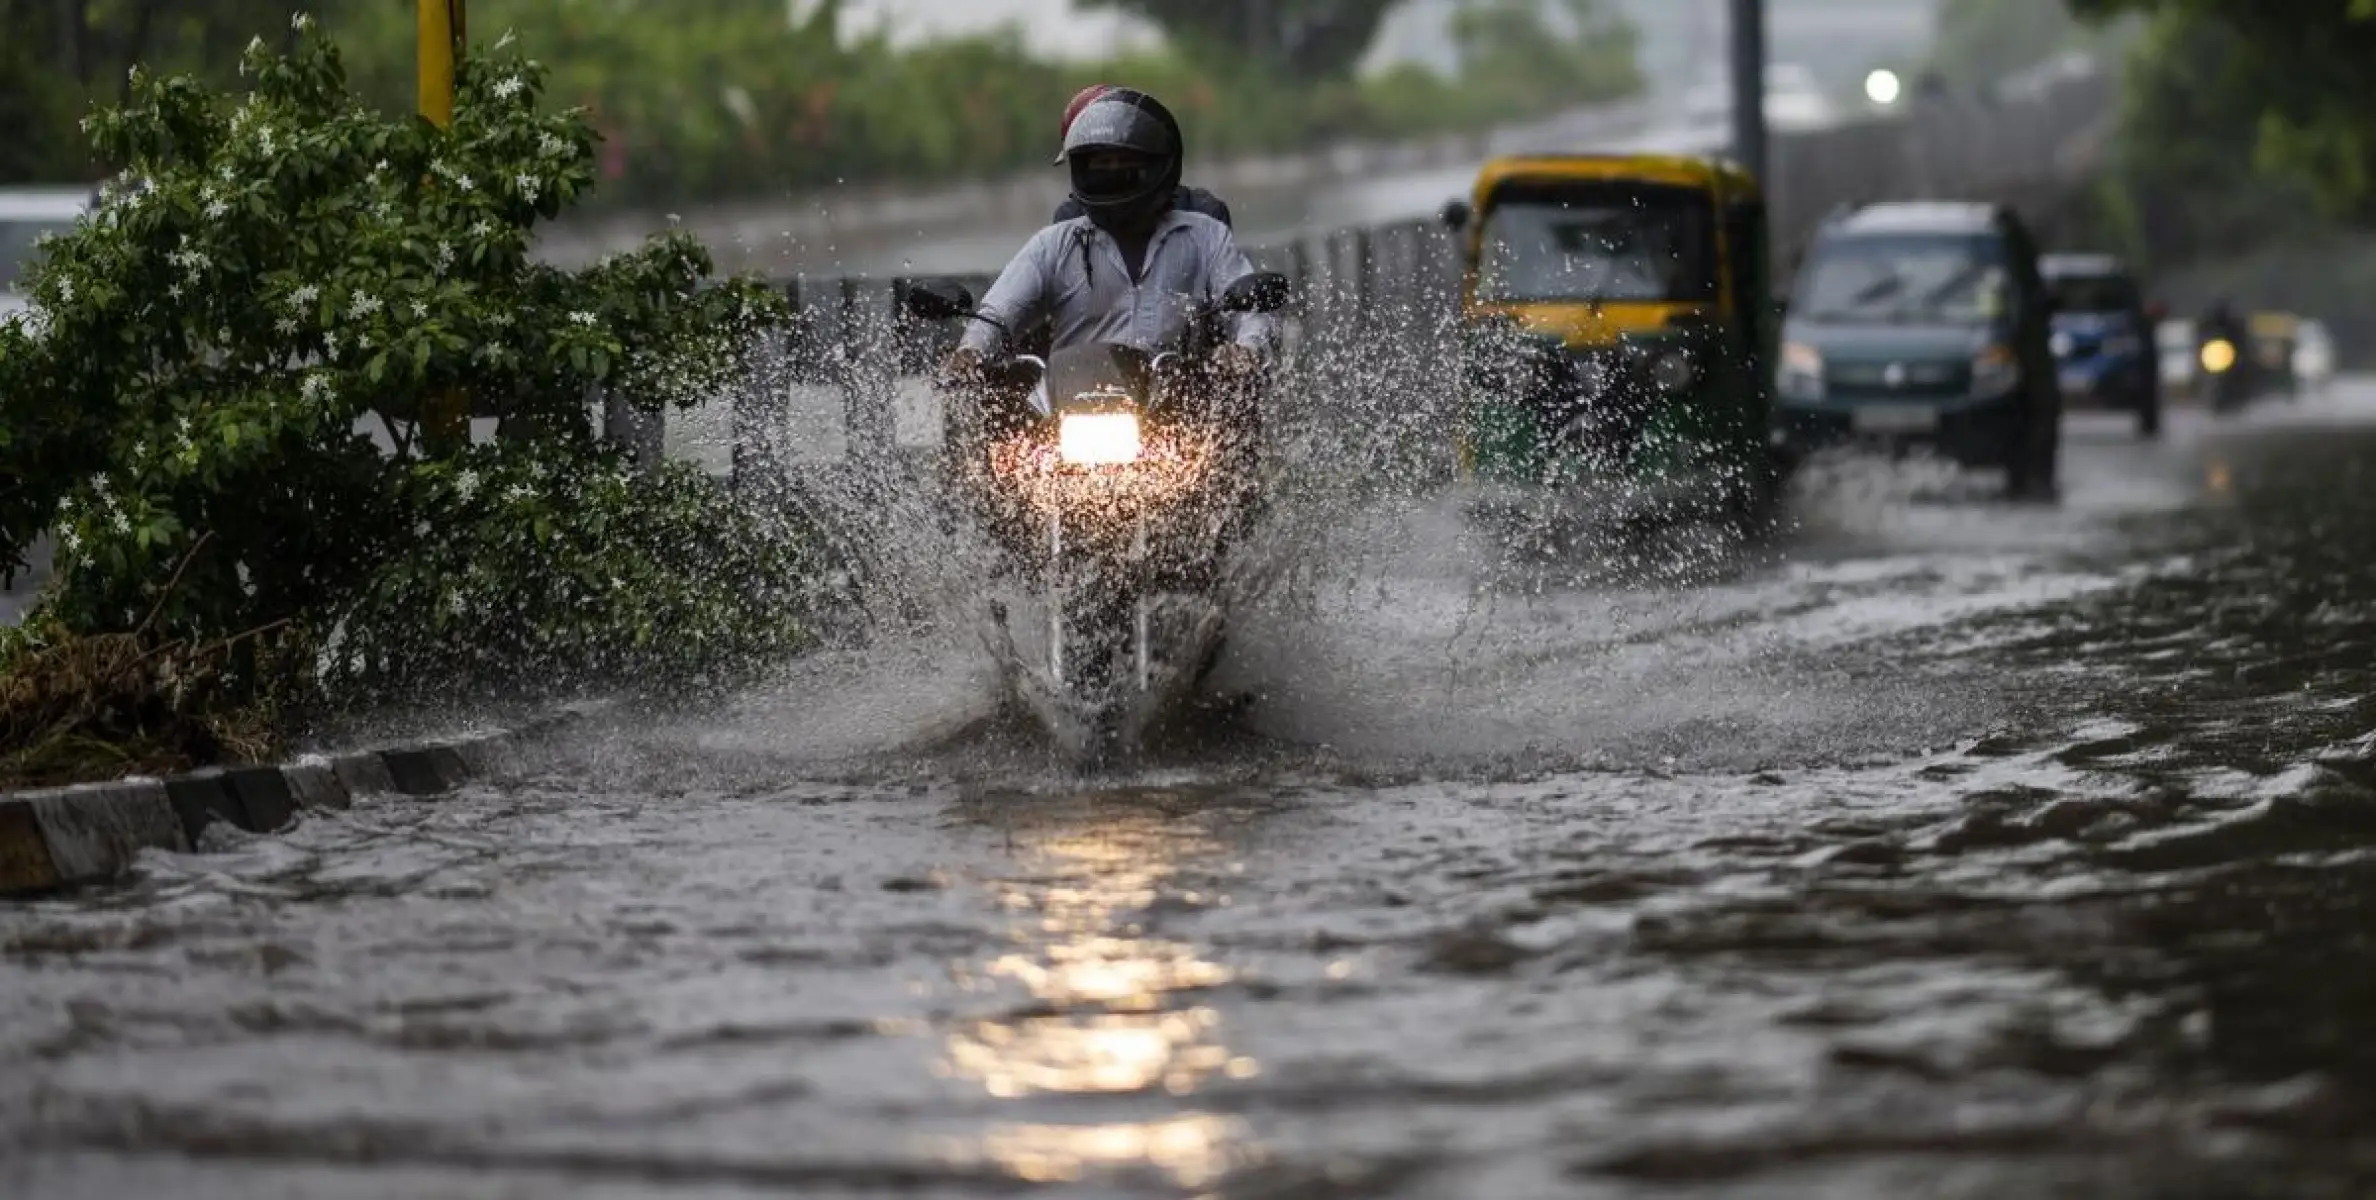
<point x="189" y="404"/>
<point x="727" y="98"/>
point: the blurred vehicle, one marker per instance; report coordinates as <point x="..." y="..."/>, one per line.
<point x="26" y="214"/>
<point x="2102" y="337"/>
<point x="2314" y="356"/>
<point x="2274" y="336"/>
<point x="2174" y="340"/>
<point x="1615" y="337"/>
<point x="1924" y="323"/>
<point x="2240" y="358"/>
<point x="1793" y="101"/>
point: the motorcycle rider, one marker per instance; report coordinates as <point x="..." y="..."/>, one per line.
<point x="2221" y="322"/>
<point x="1107" y="275"/>
<point x="1185" y="198"/>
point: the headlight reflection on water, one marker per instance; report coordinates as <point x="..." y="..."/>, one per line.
<point x="1107" y="1016"/>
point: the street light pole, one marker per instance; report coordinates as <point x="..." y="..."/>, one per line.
<point x="1748" y="73"/>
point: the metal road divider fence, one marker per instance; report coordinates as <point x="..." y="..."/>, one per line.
<point x="848" y="380"/>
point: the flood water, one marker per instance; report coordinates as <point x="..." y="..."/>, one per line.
<point x="1946" y="847"/>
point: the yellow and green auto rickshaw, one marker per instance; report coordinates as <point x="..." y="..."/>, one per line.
<point x="1617" y="327"/>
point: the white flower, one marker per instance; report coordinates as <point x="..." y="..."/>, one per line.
<point x="255" y="46"/>
<point x="455" y="604"/>
<point x="365" y="304"/>
<point x="482" y="228"/>
<point x="509" y="86"/>
<point x="70" y="539"/>
<point x="509" y="36"/>
<point x="174" y="292"/>
<point x="586" y="319"/>
<point x="65" y="290"/>
<point x="463" y="182"/>
<point x="421" y="529"/>
<point x="181" y="423"/>
<point x="552" y="145"/>
<point x="518" y="492"/>
<point x="286" y="326"/>
<point x="122" y="523"/>
<point x="301" y="22"/>
<point x="217" y="210"/>
<point x="315" y="388"/>
<point x="330" y="346"/>
<point x="466" y="484"/>
<point x="420" y="310"/>
<point x="304" y="295"/>
<point x="380" y="167"/>
<point x="528" y="184"/>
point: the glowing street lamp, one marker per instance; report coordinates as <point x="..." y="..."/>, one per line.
<point x="1882" y="87"/>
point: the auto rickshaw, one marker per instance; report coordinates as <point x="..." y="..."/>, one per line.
<point x="2274" y="335"/>
<point x="1617" y="330"/>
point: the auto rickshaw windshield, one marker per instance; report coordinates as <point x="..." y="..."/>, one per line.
<point x="1598" y="241"/>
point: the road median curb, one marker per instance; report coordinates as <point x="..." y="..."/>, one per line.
<point x="57" y="837"/>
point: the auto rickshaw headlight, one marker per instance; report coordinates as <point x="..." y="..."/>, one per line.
<point x="1673" y="371"/>
<point x="2219" y="354"/>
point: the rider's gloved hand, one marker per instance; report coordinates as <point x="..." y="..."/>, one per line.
<point x="1235" y="362"/>
<point x="962" y="368"/>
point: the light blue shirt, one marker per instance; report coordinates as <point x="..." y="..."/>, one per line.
<point x="1072" y="273"/>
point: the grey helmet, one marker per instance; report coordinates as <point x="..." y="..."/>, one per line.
<point x="1132" y="121"/>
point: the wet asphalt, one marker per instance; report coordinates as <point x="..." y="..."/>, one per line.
<point x="1940" y="846"/>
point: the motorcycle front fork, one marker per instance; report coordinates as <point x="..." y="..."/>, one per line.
<point x="1066" y="603"/>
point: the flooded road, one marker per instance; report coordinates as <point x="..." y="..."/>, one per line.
<point x="1945" y="848"/>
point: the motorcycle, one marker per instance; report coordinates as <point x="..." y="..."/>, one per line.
<point x="1114" y="478"/>
<point x="2226" y="373"/>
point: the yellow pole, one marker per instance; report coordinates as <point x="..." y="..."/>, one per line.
<point x="445" y="417"/>
<point x="437" y="24"/>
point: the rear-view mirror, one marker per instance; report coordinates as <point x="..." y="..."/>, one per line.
<point x="939" y="301"/>
<point x="1260" y="292"/>
<point x="1455" y="215"/>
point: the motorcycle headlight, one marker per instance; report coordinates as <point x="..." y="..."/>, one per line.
<point x="2219" y="354"/>
<point x="1098" y="439"/>
<point x="1673" y="371"/>
<point x="1995" y="371"/>
<point x="2062" y="345"/>
<point x="1801" y="376"/>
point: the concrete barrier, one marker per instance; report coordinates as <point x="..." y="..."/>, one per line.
<point x="58" y="837"/>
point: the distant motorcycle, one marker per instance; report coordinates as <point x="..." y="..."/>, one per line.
<point x="1114" y="478"/>
<point x="2227" y="372"/>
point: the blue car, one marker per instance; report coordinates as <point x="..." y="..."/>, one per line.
<point x="2103" y="338"/>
